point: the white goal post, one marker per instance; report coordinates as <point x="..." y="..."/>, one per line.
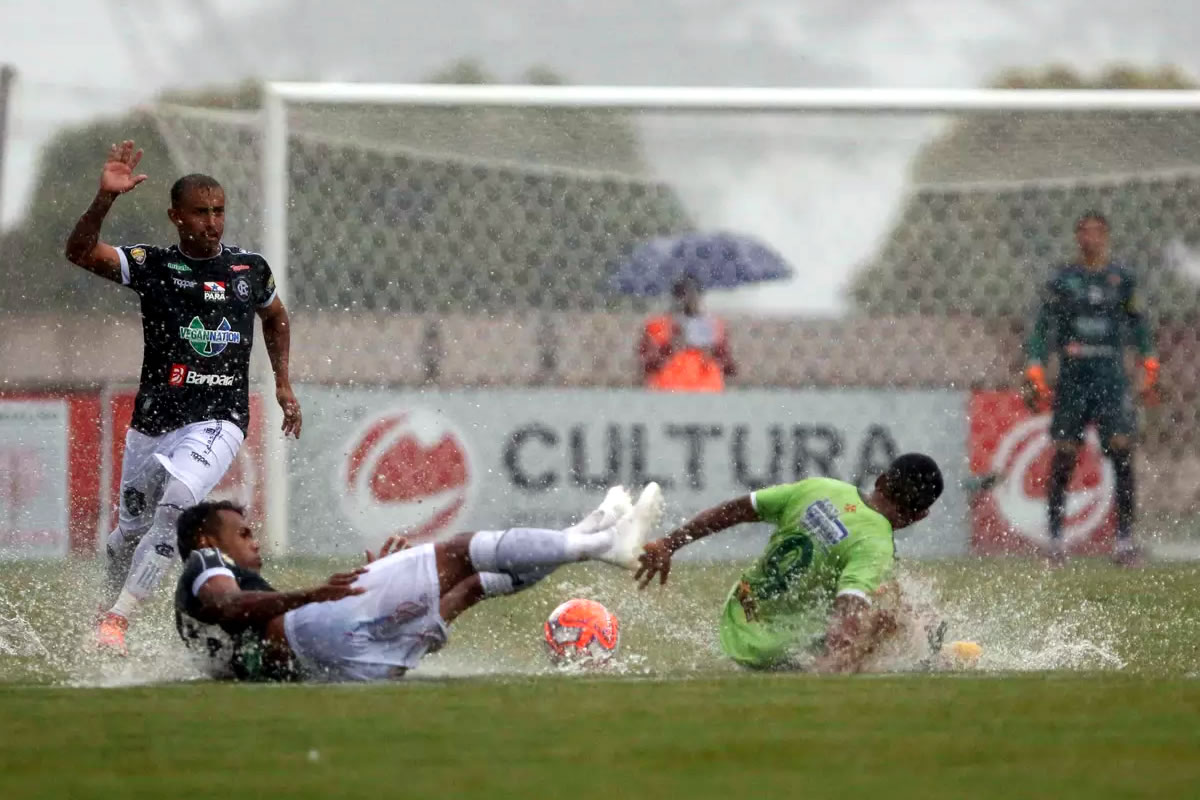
<point x="709" y="100"/>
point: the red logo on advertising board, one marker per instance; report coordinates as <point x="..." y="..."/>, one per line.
<point x="406" y="472"/>
<point x="1010" y="452"/>
<point x="178" y="375"/>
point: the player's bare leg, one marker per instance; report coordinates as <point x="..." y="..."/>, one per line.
<point x="466" y="594"/>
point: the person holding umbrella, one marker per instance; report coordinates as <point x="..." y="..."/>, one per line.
<point x="686" y="349"/>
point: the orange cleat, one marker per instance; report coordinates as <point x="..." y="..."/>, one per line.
<point x="110" y="634"/>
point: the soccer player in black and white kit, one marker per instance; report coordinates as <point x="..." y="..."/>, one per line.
<point x="198" y="302"/>
<point x="377" y="622"/>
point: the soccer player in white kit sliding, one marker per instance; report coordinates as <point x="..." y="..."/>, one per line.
<point x="376" y="622"/>
<point x="198" y="303"/>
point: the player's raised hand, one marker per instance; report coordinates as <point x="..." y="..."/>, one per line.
<point x="118" y="176"/>
<point x="292" y="419"/>
<point x="394" y="544"/>
<point x="655" y="560"/>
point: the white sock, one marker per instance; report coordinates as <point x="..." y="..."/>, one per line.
<point x="155" y="553"/>
<point x="521" y="550"/>
<point x="151" y="561"/>
<point x="118" y="558"/>
<point x="496" y="584"/>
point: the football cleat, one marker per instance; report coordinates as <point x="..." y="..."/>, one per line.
<point x="635" y="529"/>
<point x="616" y="504"/>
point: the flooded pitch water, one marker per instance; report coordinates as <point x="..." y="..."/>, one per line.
<point x="1089" y="616"/>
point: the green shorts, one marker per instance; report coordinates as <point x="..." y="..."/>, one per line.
<point x="762" y="644"/>
<point x="1092" y="398"/>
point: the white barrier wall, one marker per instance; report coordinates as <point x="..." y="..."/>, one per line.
<point x="34" y="514"/>
<point x="374" y="462"/>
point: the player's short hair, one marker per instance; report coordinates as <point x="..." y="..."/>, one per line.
<point x="1091" y="215"/>
<point x="913" y="481"/>
<point x="194" y="521"/>
<point x="196" y="180"/>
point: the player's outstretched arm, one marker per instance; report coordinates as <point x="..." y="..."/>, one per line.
<point x="277" y="336"/>
<point x="223" y="603"/>
<point x="656" y="560"/>
<point x="84" y="247"/>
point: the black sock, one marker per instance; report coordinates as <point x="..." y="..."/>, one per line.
<point x="1123" y="469"/>
<point x="1061" y="467"/>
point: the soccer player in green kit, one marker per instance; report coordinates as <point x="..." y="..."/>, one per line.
<point x="1090" y="313"/>
<point x="812" y="591"/>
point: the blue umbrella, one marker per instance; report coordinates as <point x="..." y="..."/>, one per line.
<point x="714" y="260"/>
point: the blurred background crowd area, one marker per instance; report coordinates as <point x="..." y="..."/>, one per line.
<point x="464" y="247"/>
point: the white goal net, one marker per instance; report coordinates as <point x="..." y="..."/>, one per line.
<point x="406" y="222"/>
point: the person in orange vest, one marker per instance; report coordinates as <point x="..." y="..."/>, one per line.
<point x="687" y="350"/>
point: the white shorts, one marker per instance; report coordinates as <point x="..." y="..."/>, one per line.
<point x="378" y="634"/>
<point x="198" y="455"/>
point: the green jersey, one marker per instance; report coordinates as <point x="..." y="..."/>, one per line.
<point x="827" y="542"/>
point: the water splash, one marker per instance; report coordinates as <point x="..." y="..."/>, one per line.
<point x="1021" y="625"/>
<point x="1087" y="617"/>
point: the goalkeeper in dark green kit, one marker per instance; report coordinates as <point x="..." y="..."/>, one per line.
<point x="1090" y="313"/>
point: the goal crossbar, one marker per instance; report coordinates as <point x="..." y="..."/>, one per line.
<point x="741" y="99"/>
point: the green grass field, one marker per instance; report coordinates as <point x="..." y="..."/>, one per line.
<point x="1087" y="688"/>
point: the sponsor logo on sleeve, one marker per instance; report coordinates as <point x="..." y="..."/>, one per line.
<point x="240" y="267"/>
<point x="214" y="290"/>
<point x="208" y="342"/>
<point x="138" y="254"/>
<point x="821" y="520"/>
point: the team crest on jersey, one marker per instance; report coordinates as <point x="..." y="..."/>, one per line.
<point x="214" y="290"/>
<point x="206" y="342"/>
<point x="138" y="254"/>
<point x="241" y="287"/>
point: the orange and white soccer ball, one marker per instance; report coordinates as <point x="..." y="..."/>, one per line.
<point x="582" y="632"/>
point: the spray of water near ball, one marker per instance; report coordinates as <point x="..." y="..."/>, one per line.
<point x="961" y="655"/>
